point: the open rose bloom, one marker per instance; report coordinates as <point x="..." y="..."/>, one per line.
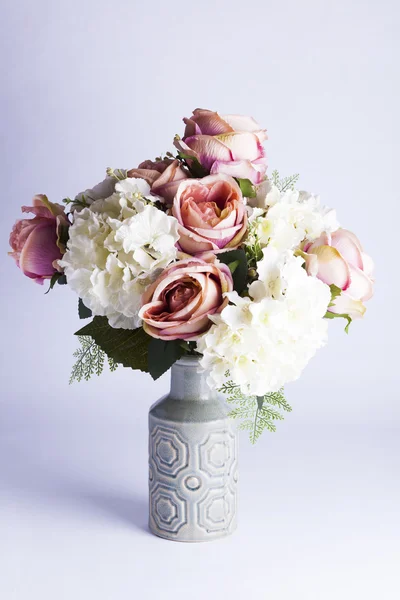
<point x="179" y="303"/>
<point x="200" y="253"/>
<point x="211" y="214"/>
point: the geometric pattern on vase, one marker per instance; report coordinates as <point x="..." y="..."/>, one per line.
<point x="192" y="479"/>
<point x="169" y="451"/>
<point x="168" y="508"/>
<point x="217" y="453"/>
<point x="216" y="509"/>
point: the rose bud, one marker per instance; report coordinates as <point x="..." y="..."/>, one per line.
<point x="37" y="244"/>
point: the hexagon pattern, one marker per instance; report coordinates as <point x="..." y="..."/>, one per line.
<point x="167" y="509"/>
<point x="168" y="451"/>
<point x="193" y="479"/>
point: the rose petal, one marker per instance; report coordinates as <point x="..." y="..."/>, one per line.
<point x="209" y="149"/>
<point x="245" y="123"/>
<point x="243" y="169"/>
<point x="208" y="122"/>
<point x="40" y="250"/>
<point x="360" y="287"/>
<point x="344" y="305"/>
<point x="332" y="268"/>
<point x="348" y="248"/>
<point x="243" y="146"/>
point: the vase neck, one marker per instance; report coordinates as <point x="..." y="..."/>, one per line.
<point x="189" y="381"/>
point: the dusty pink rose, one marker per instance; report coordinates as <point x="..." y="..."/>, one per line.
<point x="37" y="243"/>
<point x="163" y="176"/>
<point x="338" y="259"/>
<point x="211" y="214"/>
<point x="230" y="144"/>
<point x="178" y="304"/>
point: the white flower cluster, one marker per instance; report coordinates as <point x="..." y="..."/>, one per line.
<point x="291" y="217"/>
<point x="266" y="340"/>
<point x="116" y="248"/>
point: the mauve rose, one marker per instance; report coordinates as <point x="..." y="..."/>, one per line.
<point x="211" y="214"/>
<point x="178" y="304"/>
<point x="163" y="176"/>
<point x="37" y="243"/>
<point x="338" y="259"/>
<point x="230" y="144"/>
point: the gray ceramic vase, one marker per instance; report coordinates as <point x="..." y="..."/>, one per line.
<point x="192" y="460"/>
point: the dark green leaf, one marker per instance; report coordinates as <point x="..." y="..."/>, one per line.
<point x="53" y="281"/>
<point x="331" y="315"/>
<point x="84" y="311"/>
<point x="128" y="347"/>
<point x="193" y="164"/>
<point x="239" y="273"/>
<point x="162" y="355"/>
<point x="247" y="188"/>
<point x="62" y="280"/>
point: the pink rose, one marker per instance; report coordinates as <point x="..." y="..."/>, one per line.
<point x="211" y="214"/>
<point x="178" y="304"/>
<point x="36" y="243"/>
<point x="163" y="176"/>
<point x="230" y="144"/>
<point x="338" y="259"/>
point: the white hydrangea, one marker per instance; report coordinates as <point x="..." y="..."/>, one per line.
<point x="291" y="217"/>
<point x="116" y="248"/>
<point x="266" y="341"/>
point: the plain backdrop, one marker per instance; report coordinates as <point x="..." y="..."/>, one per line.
<point x="91" y="84"/>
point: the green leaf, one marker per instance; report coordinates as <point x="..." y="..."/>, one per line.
<point x="193" y="164"/>
<point x="247" y="188"/>
<point x="233" y="266"/>
<point x="162" y="355"/>
<point x="53" y="281"/>
<point x="238" y="259"/>
<point x="331" y="315"/>
<point x="84" y="311"/>
<point x="62" y="280"/>
<point x="128" y="347"/>
<point x="335" y="292"/>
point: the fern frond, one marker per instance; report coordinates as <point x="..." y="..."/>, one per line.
<point x="285" y="183"/>
<point x="90" y="360"/>
<point x="255" y="413"/>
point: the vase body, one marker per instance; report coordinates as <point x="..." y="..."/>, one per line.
<point x="192" y="460"/>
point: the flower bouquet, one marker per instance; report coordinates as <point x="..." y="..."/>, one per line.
<point x="199" y="256"/>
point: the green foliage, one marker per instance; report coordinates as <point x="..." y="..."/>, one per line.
<point x="335" y="292"/>
<point x="286" y="183"/>
<point x="83" y="311"/>
<point x="162" y="355"/>
<point x="256" y="413"/>
<point x="118" y="174"/>
<point x="90" y="360"/>
<point x="82" y="202"/>
<point x="253" y="247"/>
<point x="128" y="347"/>
<point x="247" y="188"/>
<point x="331" y="315"/>
<point x="57" y="278"/>
<point x="237" y="263"/>
<point x="192" y="164"/>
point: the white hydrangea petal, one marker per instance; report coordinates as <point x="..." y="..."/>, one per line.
<point x="267" y="342"/>
<point x="114" y="253"/>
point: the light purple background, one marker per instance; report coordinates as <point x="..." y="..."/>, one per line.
<point x="87" y="85"/>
